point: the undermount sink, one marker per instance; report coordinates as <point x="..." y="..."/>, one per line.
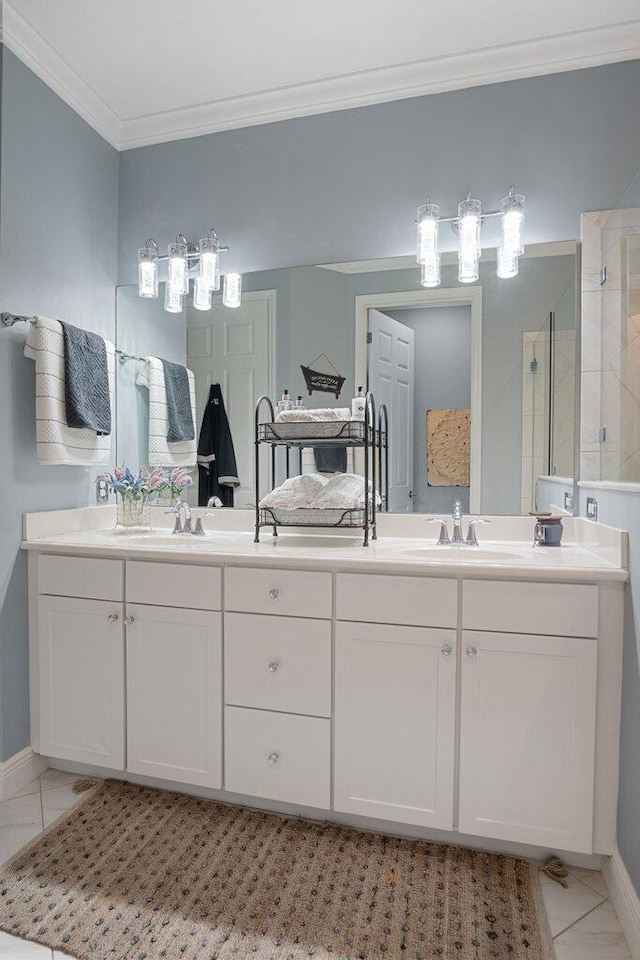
<point x="464" y="554"/>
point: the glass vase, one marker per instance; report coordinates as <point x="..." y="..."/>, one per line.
<point x="132" y="513"/>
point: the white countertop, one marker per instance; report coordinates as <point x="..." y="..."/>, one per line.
<point x="505" y="559"/>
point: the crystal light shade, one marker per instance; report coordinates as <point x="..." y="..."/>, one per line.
<point x="427" y="224"/>
<point x="512" y="242"/>
<point x="172" y="299"/>
<point x="507" y="267"/>
<point x="430" y="272"/>
<point x="232" y="291"/>
<point x="147" y="272"/>
<point x="210" y="262"/>
<point x="201" y="294"/>
<point x="177" y="272"/>
<point x="469" y="217"/>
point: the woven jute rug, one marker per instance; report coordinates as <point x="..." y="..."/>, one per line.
<point x="138" y="874"/>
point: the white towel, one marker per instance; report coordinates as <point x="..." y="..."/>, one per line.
<point x="344" y="491"/>
<point x="296" y="493"/>
<point x="319" y="414"/>
<point x="56" y="443"/>
<point x="161" y="452"/>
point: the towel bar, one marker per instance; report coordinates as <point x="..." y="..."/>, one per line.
<point x="8" y="319"/>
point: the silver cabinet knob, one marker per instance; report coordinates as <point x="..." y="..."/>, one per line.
<point x="128" y="621"/>
<point x="113" y="618"/>
<point x="446" y="650"/>
<point x="273" y="758"/>
<point x="274" y="666"/>
<point x="274" y="593"/>
<point x="472" y="652"/>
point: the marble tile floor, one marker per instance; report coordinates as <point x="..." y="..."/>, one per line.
<point x="582" y="919"/>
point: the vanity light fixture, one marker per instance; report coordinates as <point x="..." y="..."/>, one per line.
<point x="467" y="224"/>
<point x="186" y="259"/>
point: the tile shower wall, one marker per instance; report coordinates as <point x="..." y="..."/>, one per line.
<point x="59" y="202"/>
<point x="611" y="346"/>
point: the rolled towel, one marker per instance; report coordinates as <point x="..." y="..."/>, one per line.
<point x="313" y="416"/>
<point x="296" y="493"/>
<point x="344" y="491"/>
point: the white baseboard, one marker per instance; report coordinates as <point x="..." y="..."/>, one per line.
<point x="18" y="771"/>
<point x="625" y="900"/>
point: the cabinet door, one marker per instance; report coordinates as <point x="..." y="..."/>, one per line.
<point x="395" y="723"/>
<point x="174" y="694"/>
<point x="82" y="680"/>
<point x="528" y="738"/>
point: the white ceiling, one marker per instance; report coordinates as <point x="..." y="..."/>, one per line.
<point x="155" y="70"/>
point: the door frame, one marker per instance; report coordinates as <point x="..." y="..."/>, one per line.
<point x="454" y="296"/>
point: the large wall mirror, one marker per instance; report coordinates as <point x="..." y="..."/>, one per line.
<point x="499" y="354"/>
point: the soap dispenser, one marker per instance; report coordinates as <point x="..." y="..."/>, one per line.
<point x="358" y="404"/>
<point x="285" y="402"/>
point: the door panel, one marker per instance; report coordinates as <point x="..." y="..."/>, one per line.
<point x="395" y="723"/>
<point x="233" y="348"/>
<point x="391" y="380"/>
<point x="528" y="739"/>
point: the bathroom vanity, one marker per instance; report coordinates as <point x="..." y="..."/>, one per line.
<point x="463" y="690"/>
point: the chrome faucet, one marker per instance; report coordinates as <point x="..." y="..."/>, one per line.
<point x="456" y="515"/>
<point x="186" y="526"/>
<point x="457" y="537"/>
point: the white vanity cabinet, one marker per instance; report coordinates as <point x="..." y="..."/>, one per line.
<point x="395" y="699"/>
<point x="528" y="713"/>
<point x="81" y="661"/>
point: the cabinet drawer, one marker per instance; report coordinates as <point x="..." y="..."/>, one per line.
<point x="290" y="593"/>
<point x="82" y="577"/>
<point x="561" y="609"/>
<point x="278" y="663"/>
<point x="415" y="601"/>
<point x="191" y="586"/>
<point x="278" y="756"/>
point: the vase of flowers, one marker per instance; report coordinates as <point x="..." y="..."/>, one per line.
<point x="133" y="491"/>
<point x="175" y="480"/>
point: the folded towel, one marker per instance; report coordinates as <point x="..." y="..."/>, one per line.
<point x="296" y="493"/>
<point x="176" y="385"/>
<point x="56" y="442"/>
<point x="330" y="459"/>
<point x="313" y="416"/>
<point x="161" y="452"/>
<point x="344" y="491"/>
<point x="86" y="380"/>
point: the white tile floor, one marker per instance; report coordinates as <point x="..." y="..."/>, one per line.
<point x="582" y="919"/>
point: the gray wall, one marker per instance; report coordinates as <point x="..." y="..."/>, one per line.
<point x="442" y="340"/>
<point x="345" y="185"/>
<point x="622" y="509"/>
<point x="58" y="244"/>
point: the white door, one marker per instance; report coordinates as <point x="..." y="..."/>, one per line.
<point x="528" y="739"/>
<point x="235" y="349"/>
<point x="395" y="692"/>
<point x="391" y="373"/>
<point x="81" y="646"/>
<point x="174" y="694"/>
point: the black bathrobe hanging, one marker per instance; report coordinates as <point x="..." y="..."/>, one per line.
<point x="217" y="470"/>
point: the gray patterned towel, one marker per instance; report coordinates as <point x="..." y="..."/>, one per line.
<point x="179" y="415"/>
<point x="86" y="380"/>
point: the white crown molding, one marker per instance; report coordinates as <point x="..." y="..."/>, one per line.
<point x="37" y="54"/>
<point x="556" y="54"/>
